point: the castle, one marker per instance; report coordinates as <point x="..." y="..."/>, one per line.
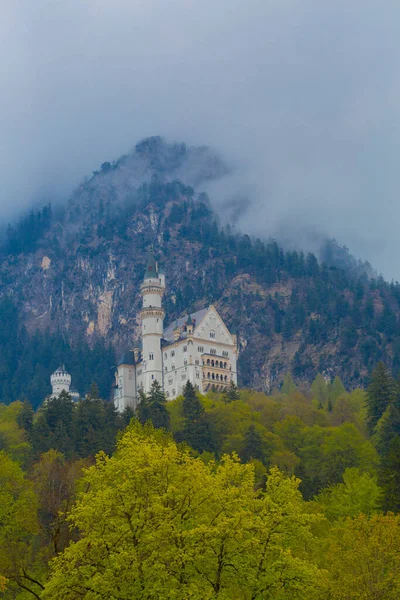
<point x="196" y="348"/>
<point x="61" y="382"/>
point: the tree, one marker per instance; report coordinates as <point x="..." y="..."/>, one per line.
<point x="157" y="523"/>
<point x="19" y="564"/>
<point x="320" y="390"/>
<point x="363" y="559"/>
<point x="389" y="476"/>
<point x="152" y="407"/>
<point x="380" y="393"/>
<point x="288" y="386"/>
<point x="359" y="493"/>
<point x="232" y="393"/>
<point x="157" y="402"/>
<point x="196" y="429"/>
<point x="252" y="445"/>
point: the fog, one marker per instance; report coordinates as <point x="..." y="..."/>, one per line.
<point x="301" y="96"/>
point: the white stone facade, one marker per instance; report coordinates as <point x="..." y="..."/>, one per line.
<point x="61" y="382"/>
<point x="196" y="348"/>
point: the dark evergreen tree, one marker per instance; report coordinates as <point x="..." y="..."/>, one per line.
<point x="252" y="446"/>
<point x="232" y="393"/>
<point x="380" y="393"/>
<point x="389" y="477"/>
<point x="143" y="410"/>
<point x="25" y="417"/>
<point x="197" y="431"/>
<point x="157" y="406"/>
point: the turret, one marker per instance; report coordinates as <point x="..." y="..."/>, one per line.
<point x="152" y="318"/>
<point x="61" y="382"/>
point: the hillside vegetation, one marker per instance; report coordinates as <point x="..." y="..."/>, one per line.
<point x="240" y="496"/>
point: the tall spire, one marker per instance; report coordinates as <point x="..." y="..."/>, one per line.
<point x="151" y="269"/>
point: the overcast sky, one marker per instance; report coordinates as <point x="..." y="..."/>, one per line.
<point x="302" y="95"/>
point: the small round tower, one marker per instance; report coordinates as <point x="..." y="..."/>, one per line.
<point x="60" y="381"/>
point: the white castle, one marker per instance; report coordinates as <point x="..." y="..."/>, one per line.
<point x="61" y="382"/>
<point x="196" y="348"/>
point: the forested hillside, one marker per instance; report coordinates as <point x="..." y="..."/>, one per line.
<point x="69" y="283"/>
<point x="236" y="496"/>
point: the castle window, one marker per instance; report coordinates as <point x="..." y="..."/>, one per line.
<point x="183" y="375"/>
<point x="200" y="349"/>
<point x="170" y="381"/>
<point x="185" y="362"/>
<point x="221" y="364"/>
<point x="196" y="361"/>
<point x="225" y="354"/>
<point x="224" y="365"/>
<point x="166" y="370"/>
<point x="197" y="375"/>
<point x="212" y="363"/>
<point x="212" y="335"/>
<point x="213" y="351"/>
<point x="208" y="361"/>
<point x="185" y="348"/>
<point x="151" y="356"/>
<point x="173" y="353"/>
<point x="173" y="367"/>
<point x="152" y="376"/>
<point x="226" y="378"/>
<point x="208" y="375"/>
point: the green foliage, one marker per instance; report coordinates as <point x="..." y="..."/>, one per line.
<point x="288" y="386"/>
<point x="153" y="407"/>
<point x="358" y="494"/>
<point x="190" y="529"/>
<point x="380" y="393"/>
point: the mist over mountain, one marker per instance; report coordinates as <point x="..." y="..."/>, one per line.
<point x="70" y="282"/>
<point x="300" y="98"/>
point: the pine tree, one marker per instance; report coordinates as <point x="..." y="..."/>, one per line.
<point x="389" y="477"/>
<point x="252" y="446"/>
<point x="288" y="386"/>
<point x="143" y="411"/>
<point x="319" y="389"/>
<point x="25" y="417"/>
<point x="380" y="393"/>
<point x="336" y="389"/>
<point x="157" y="404"/>
<point x="196" y="431"/>
<point x="232" y="393"/>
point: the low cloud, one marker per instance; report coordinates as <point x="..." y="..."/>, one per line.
<point x="301" y="96"/>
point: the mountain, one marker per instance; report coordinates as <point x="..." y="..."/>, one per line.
<point x="70" y="277"/>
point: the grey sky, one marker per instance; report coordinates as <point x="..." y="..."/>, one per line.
<point x="303" y="95"/>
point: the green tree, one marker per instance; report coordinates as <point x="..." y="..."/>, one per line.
<point x="288" y="386"/>
<point x="157" y="523"/>
<point x="380" y="393"/>
<point x="232" y="393"/>
<point x="252" y="445"/>
<point x="153" y="407"/>
<point x="389" y="476"/>
<point x="196" y="429"/>
<point x="320" y="390"/>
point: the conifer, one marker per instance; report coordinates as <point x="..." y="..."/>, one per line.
<point x="380" y="393"/>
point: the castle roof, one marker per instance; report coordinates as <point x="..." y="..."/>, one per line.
<point x="60" y="369"/>
<point x="196" y="317"/>
<point x="127" y="358"/>
<point x="151" y="269"/>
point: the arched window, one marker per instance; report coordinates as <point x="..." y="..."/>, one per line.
<point x="151" y="356"/>
<point x="208" y="361"/>
<point x="213" y="376"/>
<point x="226" y="378"/>
<point x="208" y="375"/>
<point x="221" y="364"/>
<point x="185" y="348"/>
<point x="212" y="334"/>
<point x="225" y="365"/>
<point x="173" y="353"/>
<point x="212" y="363"/>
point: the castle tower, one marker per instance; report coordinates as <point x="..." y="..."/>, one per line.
<point x="152" y="318"/>
<point x="60" y="381"/>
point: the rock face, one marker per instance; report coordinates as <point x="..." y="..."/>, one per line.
<point x="81" y="275"/>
